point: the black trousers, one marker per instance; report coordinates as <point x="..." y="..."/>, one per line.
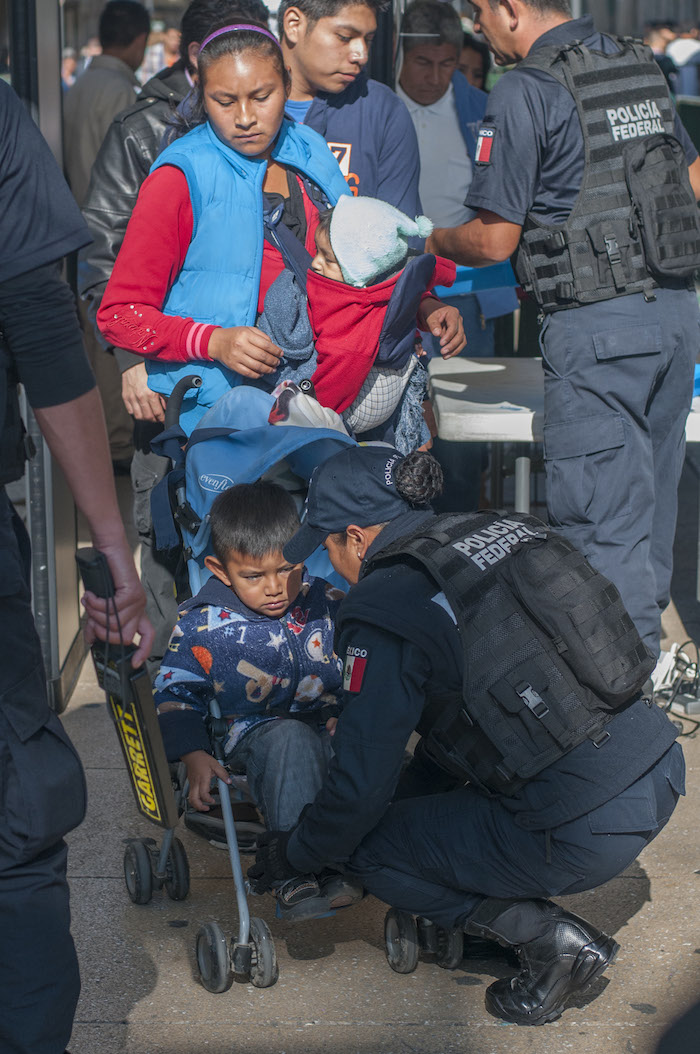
<point x="42" y="797"/>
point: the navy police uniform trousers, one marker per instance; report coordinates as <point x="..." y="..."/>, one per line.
<point x="42" y="797"/>
<point x="618" y="387"/>
<point x="440" y="856"/>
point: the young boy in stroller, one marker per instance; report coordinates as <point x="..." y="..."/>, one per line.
<point x="258" y="636"/>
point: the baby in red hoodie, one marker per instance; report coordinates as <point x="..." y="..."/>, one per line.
<point x="364" y="294"/>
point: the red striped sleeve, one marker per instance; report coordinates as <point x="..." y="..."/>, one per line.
<point x="151" y="257"/>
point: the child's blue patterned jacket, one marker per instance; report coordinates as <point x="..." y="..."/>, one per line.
<point x="258" y="668"/>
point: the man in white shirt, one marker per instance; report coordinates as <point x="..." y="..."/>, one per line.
<point x="425" y="86"/>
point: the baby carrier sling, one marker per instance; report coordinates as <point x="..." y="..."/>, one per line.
<point x="550" y="653"/>
<point x="635" y="219"/>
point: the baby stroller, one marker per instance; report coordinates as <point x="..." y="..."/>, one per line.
<point x="232" y="444"/>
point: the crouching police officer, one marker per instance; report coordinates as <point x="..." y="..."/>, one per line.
<point x="566" y="785"/>
<point x="582" y="171"/>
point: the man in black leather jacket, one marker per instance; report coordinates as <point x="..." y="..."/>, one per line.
<point x="131" y="145"/>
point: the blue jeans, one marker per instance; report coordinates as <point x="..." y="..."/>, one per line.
<point x="286" y="762"/>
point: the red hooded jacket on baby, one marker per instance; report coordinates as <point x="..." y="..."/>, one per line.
<point x="357" y="328"/>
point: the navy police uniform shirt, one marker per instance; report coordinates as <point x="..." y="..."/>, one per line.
<point x="39" y="219"/>
<point x="39" y="223"/>
<point x="530" y="152"/>
<point x="399" y="645"/>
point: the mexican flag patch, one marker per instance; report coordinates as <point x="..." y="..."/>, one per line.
<point x="484" y="145"/>
<point x="354" y="669"/>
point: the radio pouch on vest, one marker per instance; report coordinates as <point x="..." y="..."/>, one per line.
<point x="550" y="652"/>
<point x="666" y="211"/>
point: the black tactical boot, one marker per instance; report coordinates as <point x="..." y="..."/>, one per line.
<point x="559" y="954"/>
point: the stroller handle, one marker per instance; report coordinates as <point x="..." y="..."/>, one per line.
<point x="172" y="410"/>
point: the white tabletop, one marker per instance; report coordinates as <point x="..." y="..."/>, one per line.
<point x="498" y="400"/>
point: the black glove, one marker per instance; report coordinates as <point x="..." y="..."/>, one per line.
<point x="271" y="865"/>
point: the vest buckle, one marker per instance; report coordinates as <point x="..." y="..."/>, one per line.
<point x="612" y="248"/>
<point x="554" y="242"/>
<point x="603" y="737"/>
<point x="533" y="700"/>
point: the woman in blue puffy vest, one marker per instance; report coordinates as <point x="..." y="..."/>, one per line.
<point x="215" y="222"/>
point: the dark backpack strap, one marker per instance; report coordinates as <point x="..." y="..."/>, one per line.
<point x="163" y="501"/>
<point x="294" y="254"/>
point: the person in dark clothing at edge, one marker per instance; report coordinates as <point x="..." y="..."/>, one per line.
<point x="422" y="840"/>
<point x="42" y="790"/>
<point x="619" y="313"/>
<point x="132" y="144"/>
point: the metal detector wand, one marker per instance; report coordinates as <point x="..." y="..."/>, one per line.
<point x="130" y="705"/>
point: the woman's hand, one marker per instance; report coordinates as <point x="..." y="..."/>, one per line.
<point x="201" y="769"/>
<point x="445" y="323"/>
<point x="140" y="401"/>
<point x="244" y="349"/>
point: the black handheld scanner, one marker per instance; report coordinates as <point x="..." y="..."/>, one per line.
<point x="130" y="705"/>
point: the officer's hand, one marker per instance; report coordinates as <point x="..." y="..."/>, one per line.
<point x="445" y="323"/>
<point x="129" y="600"/>
<point x="271" y="865"/>
<point x="244" y="349"/>
<point x="202" y="768"/>
<point x="140" y="401"/>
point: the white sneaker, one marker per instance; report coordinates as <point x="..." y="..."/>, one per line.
<point x="662" y="674"/>
<point x="670" y="666"/>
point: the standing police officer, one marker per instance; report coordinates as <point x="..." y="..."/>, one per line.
<point x="481" y="855"/>
<point x="42" y="789"/>
<point x="580" y="174"/>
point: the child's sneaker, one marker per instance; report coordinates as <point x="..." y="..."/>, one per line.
<point x="340" y="890"/>
<point x="300" y="898"/>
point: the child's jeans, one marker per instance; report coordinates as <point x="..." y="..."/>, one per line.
<point x="286" y="762"/>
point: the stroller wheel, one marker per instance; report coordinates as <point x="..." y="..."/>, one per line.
<point x="401" y="938"/>
<point x="213" y="958"/>
<point x="263" y="968"/>
<point x="177" y="884"/>
<point x="450" y="948"/>
<point x="138" y="873"/>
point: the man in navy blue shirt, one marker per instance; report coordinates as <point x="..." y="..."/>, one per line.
<point x="618" y="372"/>
<point x="326" y="47"/>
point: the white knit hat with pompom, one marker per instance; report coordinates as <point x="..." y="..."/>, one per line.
<point x="370" y="238"/>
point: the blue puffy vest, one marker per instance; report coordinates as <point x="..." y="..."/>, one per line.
<point x="220" y="279"/>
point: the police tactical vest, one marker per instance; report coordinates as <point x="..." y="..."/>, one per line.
<point x="550" y="652"/>
<point x="635" y="219"/>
